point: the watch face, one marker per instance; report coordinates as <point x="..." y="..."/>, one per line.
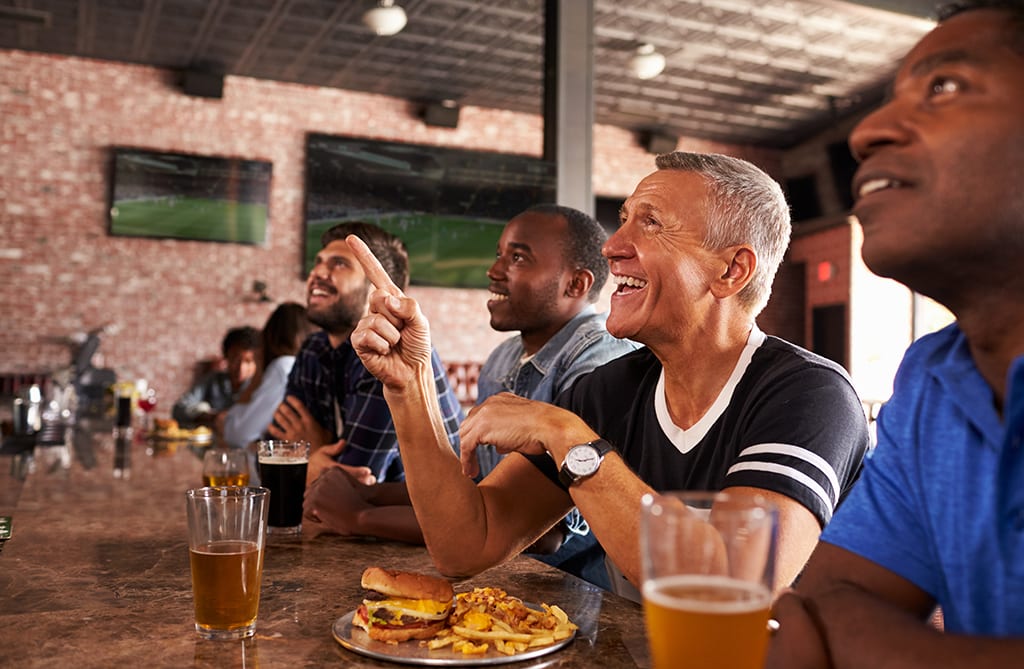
<point x="582" y="460"/>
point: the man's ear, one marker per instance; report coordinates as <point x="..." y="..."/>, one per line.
<point x="741" y="262"/>
<point x="580" y="283"/>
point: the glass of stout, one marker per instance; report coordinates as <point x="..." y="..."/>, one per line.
<point x="283" y="467"/>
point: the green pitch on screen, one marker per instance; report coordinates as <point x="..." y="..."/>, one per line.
<point x="190" y="218"/>
<point x="443" y="251"/>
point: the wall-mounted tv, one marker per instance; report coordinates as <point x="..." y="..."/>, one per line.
<point x="183" y="196"/>
<point x="448" y="205"/>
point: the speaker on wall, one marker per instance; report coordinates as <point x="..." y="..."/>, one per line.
<point x="441" y="115"/>
<point x="659" y="142"/>
<point x="202" y="83"/>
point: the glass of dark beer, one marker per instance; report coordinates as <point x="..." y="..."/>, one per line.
<point x="283" y="467"/>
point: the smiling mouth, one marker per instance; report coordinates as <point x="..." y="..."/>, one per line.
<point x="320" y="293"/>
<point x="497" y="297"/>
<point x="627" y="284"/>
<point x="877" y="185"/>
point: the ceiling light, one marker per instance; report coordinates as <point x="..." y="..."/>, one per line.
<point x="386" y="18"/>
<point x="646" y="62"/>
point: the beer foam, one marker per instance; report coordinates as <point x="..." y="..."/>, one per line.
<point x="283" y="459"/>
<point x="707" y="594"/>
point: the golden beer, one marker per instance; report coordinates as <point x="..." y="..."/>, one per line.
<point x="237" y="479"/>
<point x="226" y="584"/>
<point x="706" y="622"/>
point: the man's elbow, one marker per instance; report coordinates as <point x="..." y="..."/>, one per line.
<point x="456" y="564"/>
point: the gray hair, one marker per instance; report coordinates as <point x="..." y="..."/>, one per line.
<point x="745" y="206"/>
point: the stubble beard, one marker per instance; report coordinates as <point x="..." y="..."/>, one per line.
<point x="341" y="317"/>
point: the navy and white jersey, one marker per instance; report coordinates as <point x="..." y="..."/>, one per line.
<point x="787" y="421"/>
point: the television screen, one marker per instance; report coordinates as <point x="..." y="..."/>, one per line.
<point x="182" y="196"/>
<point x="448" y="205"/>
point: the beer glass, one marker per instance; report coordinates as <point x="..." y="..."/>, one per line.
<point x="226" y="537"/>
<point x="283" y="467"/>
<point x="708" y="569"/>
<point x="226" y="466"/>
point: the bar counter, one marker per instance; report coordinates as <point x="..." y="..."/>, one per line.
<point x="96" y="574"/>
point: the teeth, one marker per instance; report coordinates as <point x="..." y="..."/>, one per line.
<point x="875" y="185"/>
<point x="630" y="281"/>
<point x="498" y="297"/>
<point x="318" y="292"/>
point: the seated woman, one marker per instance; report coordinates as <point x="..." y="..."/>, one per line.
<point x="280" y="339"/>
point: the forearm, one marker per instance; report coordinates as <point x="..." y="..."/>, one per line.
<point x="448" y="505"/>
<point x="390" y="493"/>
<point x="616" y="526"/>
<point x="864" y="630"/>
<point x="390" y="522"/>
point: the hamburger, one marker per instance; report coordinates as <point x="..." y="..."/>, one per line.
<point x="401" y="605"/>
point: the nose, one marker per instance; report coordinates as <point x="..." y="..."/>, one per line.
<point x="319" y="271"/>
<point x="880" y="128"/>
<point x="496" y="272"/>
<point x="617" y="245"/>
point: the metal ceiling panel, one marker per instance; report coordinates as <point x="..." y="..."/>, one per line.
<point x="767" y="72"/>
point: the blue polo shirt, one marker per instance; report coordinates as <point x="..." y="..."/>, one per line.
<point x="941" y="500"/>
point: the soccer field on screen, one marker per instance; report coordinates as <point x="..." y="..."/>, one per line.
<point x="190" y="218"/>
<point x="443" y="251"/>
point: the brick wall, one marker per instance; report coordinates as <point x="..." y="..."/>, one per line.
<point x="171" y="301"/>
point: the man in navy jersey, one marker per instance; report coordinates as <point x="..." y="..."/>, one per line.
<point x="709" y="403"/>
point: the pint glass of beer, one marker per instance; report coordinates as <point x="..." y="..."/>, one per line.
<point x="708" y="566"/>
<point x="226" y="535"/>
<point x="226" y="466"/>
<point x="283" y="467"/>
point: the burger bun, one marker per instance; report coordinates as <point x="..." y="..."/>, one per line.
<point x="407" y="585"/>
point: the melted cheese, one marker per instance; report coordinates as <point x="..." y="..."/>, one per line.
<point x="430" y="609"/>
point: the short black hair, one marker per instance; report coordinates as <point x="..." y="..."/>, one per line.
<point x="389" y="249"/>
<point x="585" y="238"/>
<point x="1015" y="8"/>
<point x="246" y="337"/>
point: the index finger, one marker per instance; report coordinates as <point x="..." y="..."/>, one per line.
<point x="374" y="270"/>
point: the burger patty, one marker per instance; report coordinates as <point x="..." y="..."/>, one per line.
<point x="384" y="619"/>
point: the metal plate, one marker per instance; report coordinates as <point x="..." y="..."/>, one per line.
<point x="356" y="640"/>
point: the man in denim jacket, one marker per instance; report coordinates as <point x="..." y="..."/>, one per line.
<point x="548" y="273"/>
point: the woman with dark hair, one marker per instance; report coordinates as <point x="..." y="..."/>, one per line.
<point x="280" y="340"/>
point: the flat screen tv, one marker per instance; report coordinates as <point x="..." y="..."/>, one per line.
<point x="183" y="196"/>
<point x="448" y="205"/>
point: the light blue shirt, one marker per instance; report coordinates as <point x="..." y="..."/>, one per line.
<point x="941" y="501"/>
<point x="246" y="423"/>
<point x="580" y="346"/>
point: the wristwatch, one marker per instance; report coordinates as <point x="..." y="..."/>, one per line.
<point x="582" y="461"/>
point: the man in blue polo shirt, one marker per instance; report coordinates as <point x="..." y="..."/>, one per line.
<point x="938" y="515"/>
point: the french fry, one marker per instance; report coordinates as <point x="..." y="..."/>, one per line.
<point x="487" y="616"/>
<point x="478" y="635"/>
<point x="441" y="641"/>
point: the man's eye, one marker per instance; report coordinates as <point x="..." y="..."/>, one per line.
<point x="944" y="86"/>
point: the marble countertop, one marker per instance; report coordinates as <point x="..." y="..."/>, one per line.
<point x="96" y="574"/>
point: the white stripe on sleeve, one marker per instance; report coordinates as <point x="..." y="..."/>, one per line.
<point x="788" y="472"/>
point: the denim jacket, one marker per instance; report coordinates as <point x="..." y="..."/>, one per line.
<point x="581" y="345"/>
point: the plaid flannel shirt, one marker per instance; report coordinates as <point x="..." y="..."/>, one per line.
<point x="322" y="374"/>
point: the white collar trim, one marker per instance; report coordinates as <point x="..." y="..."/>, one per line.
<point x="686" y="440"/>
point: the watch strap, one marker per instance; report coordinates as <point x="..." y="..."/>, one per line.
<point x="567" y="478"/>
